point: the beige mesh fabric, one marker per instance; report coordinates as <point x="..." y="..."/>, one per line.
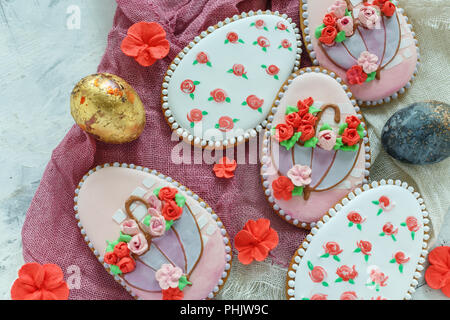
<point x="431" y="22"/>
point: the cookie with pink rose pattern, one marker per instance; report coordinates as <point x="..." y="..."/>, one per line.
<point x="369" y="246"/>
<point x="369" y="44"/>
<point x="219" y="90"/>
<point x="317" y="149"/>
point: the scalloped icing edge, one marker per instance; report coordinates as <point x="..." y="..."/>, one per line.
<point x="182" y="133"/>
<point x="291" y="273"/>
<point x="175" y="184"/>
<point x="360" y="116"/>
<point x="312" y="55"/>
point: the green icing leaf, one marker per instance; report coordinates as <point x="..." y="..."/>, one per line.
<point x="360" y="131"/>
<point x="115" y="269"/>
<point x="124" y="238"/>
<point x="275" y="77"/>
<point x="279" y="47"/>
<point x="204" y="113"/>
<point x="183" y="282"/>
<point x="339" y="280"/>
<point x="244" y="103"/>
<point x="235" y="120"/>
<point x="350" y="224"/>
<point x="192" y="96"/>
<point x="195" y="62"/>
<point x="338" y="144"/>
<point x="412" y="234"/>
<point x="336" y="258"/>
<point x="260" y="110"/>
<point x="230" y="71"/>
<point x="376" y="202"/>
<point x="298" y="191"/>
<point x="379" y="211"/>
<point x="252" y="24"/>
<point x="311" y="143"/>
<point x="146" y="220"/>
<point x="318" y="31"/>
<point x="217" y="126"/>
<point x="347" y="13"/>
<point x="196" y="83"/>
<point x="264" y="49"/>
<point x="265" y="28"/>
<point x="209" y="64"/>
<point x="349" y="148"/>
<point x="313" y="109"/>
<point x="325" y="126"/>
<point x="382" y="234"/>
<point x="358" y="225"/>
<point x="241" y="41"/>
<point x="226" y="41"/>
<point x="393" y="238"/>
<point x="371" y="76"/>
<point x="325" y="284"/>
<point x="210" y="99"/>
<point x="288" y="144"/>
<point x="340" y="36"/>
<point x="403" y="224"/>
<point x="263" y="66"/>
<point x="192" y="124"/>
<point x="244" y="76"/>
<point x="111" y="245"/>
<point x="366" y="257"/>
<point x="357" y="250"/>
<point x="326" y="255"/>
<point x="291" y="109"/>
<point x="180" y="200"/>
<point x="310" y="265"/>
<point x="400" y="267"/>
<point x="255" y="42"/>
<point x="169" y="224"/>
<point x="156" y="192"/>
<point x="342" y="127"/>
<point x="392" y="261"/>
<point x="351" y="281"/>
<point x="228" y="99"/>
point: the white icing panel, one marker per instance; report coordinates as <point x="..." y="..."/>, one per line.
<point x="119" y="216"/>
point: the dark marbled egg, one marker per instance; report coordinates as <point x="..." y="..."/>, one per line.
<point x="419" y="133"/>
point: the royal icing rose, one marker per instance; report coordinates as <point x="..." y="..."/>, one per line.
<point x="378" y="278"/>
<point x="259" y="24"/>
<point x="400" y="257"/>
<point x="365" y="247"/>
<point x="154" y="202"/>
<point x="232" y="37"/>
<point x="195" y="115"/>
<point x="352" y="122"/>
<point x="309" y="119"/>
<point x="338" y="8"/>
<point x="126" y="265"/>
<point x="238" y="70"/>
<point x="171" y="211"/>
<point x="300" y="175"/>
<point x="369" y="17"/>
<point x="286" y="44"/>
<point x="272" y="70"/>
<point x="254" y="102"/>
<point x="168" y="276"/>
<point x="355" y="217"/>
<point x="346" y="273"/>
<point x="219" y="95"/>
<point x="332" y="248"/>
<point x="202" y="57"/>
<point x="356" y="75"/>
<point x="129" y="227"/>
<point x="138" y="244"/>
<point x="172" y="294"/>
<point x="327" y="139"/>
<point x="282" y="188"/>
<point x="263" y="42"/>
<point x="412" y="224"/>
<point x="319" y="296"/>
<point x="121" y="250"/>
<point x="349" y="295"/>
<point x="328" y="36"/>
<point x="157" y="226"/>
<point x="283" y="132"/>
<point x="307" y="131"/>
<point x="389" y="229"/>
<point x="350" y="137"/>
<point x="166" y="193"/>
<point x="110" y="258"/>
<point x="303" y="108"/>
<point x="187" y="86"/>
<point x="388" y="9"/>
<point x="385" y="203"/>
<point x="345" y="24"/>
<point x="368" y="62"/>
<point x="281" y="26"/>
<point x="293" y="119"/>
<point x="329" y="19"/>
<point x="225" y="124"/>
<point x="317" y="274"/>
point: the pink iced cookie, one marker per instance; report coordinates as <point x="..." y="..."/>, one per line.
<point x="371" y="47"/>
<point x="317" y="149"/>
<point x="155" y="237"/>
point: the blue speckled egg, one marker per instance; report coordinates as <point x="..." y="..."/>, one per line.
<point x="419" y="133"/>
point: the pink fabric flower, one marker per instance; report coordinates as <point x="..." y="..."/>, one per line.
<point x="346" y="24"/>
<point x="300" y="175"/>
<point x="338" y="8"/>
<point x="129" y="227"/>
<point x="138" y="244"/>
<point x="369" y="17"/>
<point x="157" y="226"/>
<point x="168" y="276"/>
<point x="154" y="202"/>
<point x="368" y="62"/>
<point x="327" y="139"/>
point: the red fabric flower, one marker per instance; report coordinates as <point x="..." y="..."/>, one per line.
<point x="40" y="282"/>
<point x="356" y="75"/>
<point x="282" y="188"/>
<point x="437" y="275"/>
<point x="283" y="132"/>
<point x="171" y="211"/>
<point x="308" y="132"/>
<point x="350" y="137"/>
<point x="225" y="168"/>
<point x="121" y="250"/>
<point x="329" y="19"/>
<point x="146" y="42"/>
<point x="329" y="33"/>
<point x="166" y="193"/>
<point x="388" y="9"/>
<point x="352" y="121"/>
<point x="172" y="294"/>
<point x="255" y="241"/>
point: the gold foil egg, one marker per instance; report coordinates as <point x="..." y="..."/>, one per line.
<point x="107" y="107"/>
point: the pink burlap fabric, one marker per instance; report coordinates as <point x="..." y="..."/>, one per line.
<point x="50" y="233"/>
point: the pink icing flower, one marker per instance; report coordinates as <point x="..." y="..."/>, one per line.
<point x="385" y="203"/>
<point x="319" y="296"/>
<point x="317" y="274"/>
<point x="327" y="139"/>
<point x="259" y="24"/>
<point x="129" y="227"/>
<point x="138" y="244"/>
<point x="368" y="62"/>
<point x="168" y="276"/>
<point x="300" y="175"/>
<point x="346" y="24"/>
<point x="369" y="17"/>
<point x="281" y="26"/>
<point x="349" y="295"/>
<point x="157" y="225"/>
<point x="338" y="8"/>
<point x="285" y="43"/>
<point x="378" y="277"/>
<point x="154" y="202"/>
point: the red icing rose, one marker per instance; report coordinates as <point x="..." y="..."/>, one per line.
<point x="329" y="33"/>
<point x="282" y="188"/>
<point x="166" y="193"/>
<point x="332" y="248"/>
<point x="126" y="264"/>
<point x="202" y="57"/>
<point x="225" y="124"/>
<point x="171" y="211"/>
<point x="110" y="258"/>
<point x="352" y="122"/>
<point x="400" y="257"/>
<point x="121" y="250"/>
<point x="172" y="294"/>
<point x="283" y="132"/>
<point x="187" y="86"/>
<point x="238" y="69"/>
<point x="346" y="273"/>
<point x="317" y="274"/>
<point x="195" y="115"/>
<point x="365" y="246"/>
<point x="349" y="295"/>
<point x="319" y="296"/>
<point x="356" y="75"/>
<point x="303" y="109"/>
<point x="254" y="102"/>
<point x="389" y="229"/>
<point x="309" y="119"/>
<point x="384" y="201"/>
<point x="286" y="44"/>
<point x="293" y="119"/>
<point x="225" y="168"/>
<point x="259" y="24"/>
<point x="329" y="19"/>
<point x="350" y="137"/>
<point x="388" y="9"/>
<point x="355" y="217"/>
<point x="379" y="3"/>
<point x="232" y="37"/>
<point x="307" y="131"/>
<point x="281" y="26"/>
<point x="412" y="224"/>
<point x="219" y="95"/>
<point x="263" y="42"/>
<point x="272" y="70"/>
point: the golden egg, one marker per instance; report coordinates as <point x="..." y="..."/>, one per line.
<point x="107" y="107"/>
